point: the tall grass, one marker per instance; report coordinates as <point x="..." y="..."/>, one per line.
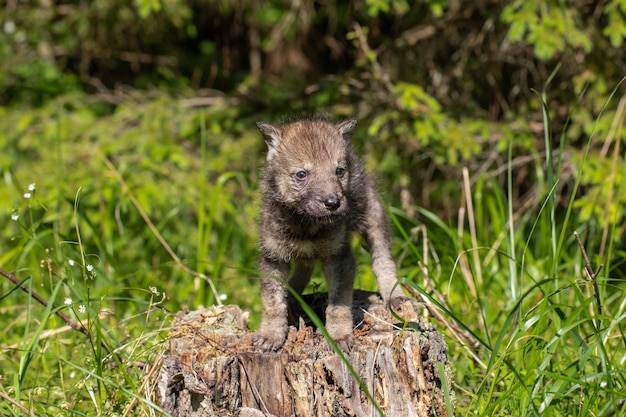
<point x="95" y="256"/>
<point x="113" y="241"/>
<point x="537" y="319"/>
<point x="93" y="358"/>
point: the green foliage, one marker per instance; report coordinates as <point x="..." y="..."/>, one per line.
<point x="49" y="50"/>
<point x="147" y="6"/>
<point x="376" y="7"/>
<point x="77" y="233"/>
<point x="149" y="144"/>
<point x="129" y="182"/>
<point x="550" y="27"/>
<point x="604" y="200"/>
<point x="616" y="29"/>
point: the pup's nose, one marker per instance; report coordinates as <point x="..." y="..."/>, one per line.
<point x="332" y="203"/>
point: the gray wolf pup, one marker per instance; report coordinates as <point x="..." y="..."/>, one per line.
<point x="315" y="193"/>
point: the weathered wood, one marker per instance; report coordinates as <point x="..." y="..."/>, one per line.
<point x="212" y="369"/>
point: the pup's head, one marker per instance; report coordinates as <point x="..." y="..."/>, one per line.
<point x="308" y="166"/>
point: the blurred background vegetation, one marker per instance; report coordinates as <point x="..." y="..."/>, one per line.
<point x="119" y="110"/>
<point x="437" y="84"/>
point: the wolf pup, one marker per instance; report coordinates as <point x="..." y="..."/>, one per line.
<point x="315" y="192"/>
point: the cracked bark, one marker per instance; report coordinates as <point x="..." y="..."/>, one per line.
<point x="212" y="369"/>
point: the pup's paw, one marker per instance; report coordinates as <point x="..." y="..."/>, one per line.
<point x="405" y="307"/>
<point x="344" y="341"/>
<point x="397" y="303"/>
<point x="268" y="341"/>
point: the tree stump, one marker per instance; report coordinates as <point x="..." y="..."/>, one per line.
<point x="212" y="369"/>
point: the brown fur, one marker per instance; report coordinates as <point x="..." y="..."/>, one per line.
<point x="315" y="193"/>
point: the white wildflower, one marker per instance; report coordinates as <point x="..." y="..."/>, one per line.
<point x="82" y="309"/>
<point x="68" y="301"/>
<point x="15" y="217"/>
<point x="31" y="187"/>
<point x="9" y="27"/>
<point x="71" y="262"/>
<point x="27" y="195"/>
<point x="223" y="297"/>
<point x="89" y="268"/>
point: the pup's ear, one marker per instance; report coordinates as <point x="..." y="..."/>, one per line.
<point x="346" y="128"/>
<point x="272" y="137"/>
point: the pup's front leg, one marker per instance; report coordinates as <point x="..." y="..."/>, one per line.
<point x="273" y="330"/>
<point x="378" y="239"/>
<point x="340" y="271"/>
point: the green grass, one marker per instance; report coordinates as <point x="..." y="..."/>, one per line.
<point x="543" y="318"/>
<point x="137" y="215"/>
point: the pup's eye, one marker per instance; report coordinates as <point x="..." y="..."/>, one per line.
<point x="340" y="171"/>
<point x="302" y="175"/>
